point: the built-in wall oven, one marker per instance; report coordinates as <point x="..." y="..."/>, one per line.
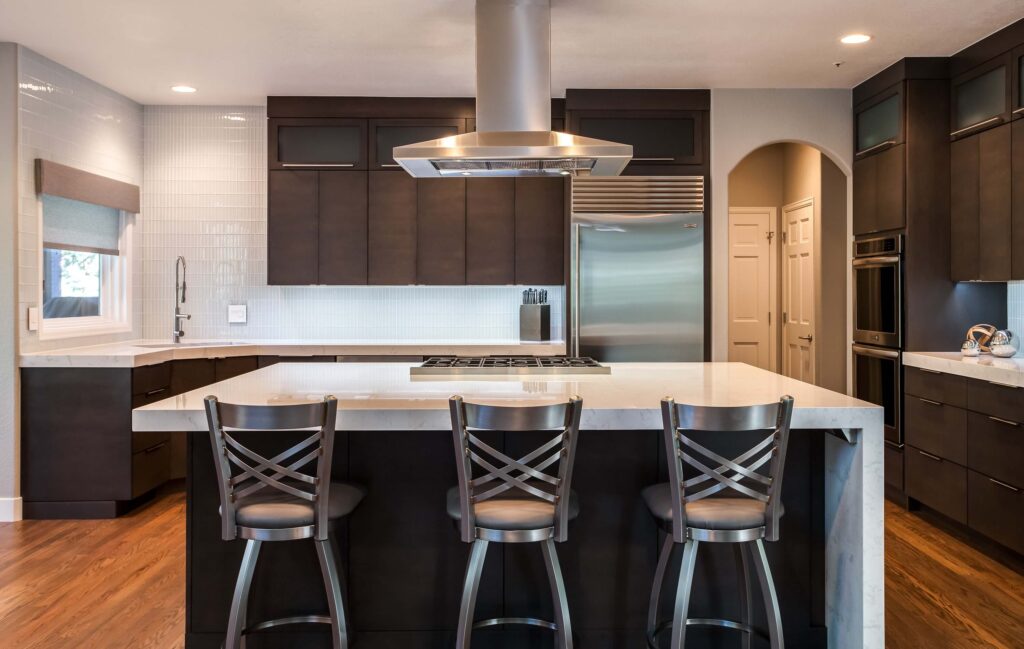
<point x="877" y="378"/>
<point x="878" y="291"/>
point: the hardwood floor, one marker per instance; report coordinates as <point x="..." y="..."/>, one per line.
<point x="120" y="584"/>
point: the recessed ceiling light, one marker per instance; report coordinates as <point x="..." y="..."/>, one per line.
<point x="185" y="89"/>
<point x="855" y="39"/>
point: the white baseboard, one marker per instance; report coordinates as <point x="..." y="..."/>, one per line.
<point x="10" y="510"/>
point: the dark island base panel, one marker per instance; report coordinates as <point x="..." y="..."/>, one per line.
<point x="405" y="563"/>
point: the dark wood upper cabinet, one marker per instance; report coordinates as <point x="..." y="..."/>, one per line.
<point x="1017" y="197"/>
<point x="980" y="206"/>
<point x="879" y="122"/>
<point x="392" y="238"/>
<point x="1017" y="85"/>
<point x="980" y="98"/>
<point x="879" y="182"/>
<point x="316" y="143"/>
<point x="292" y="228"/>
<point x="540" y="231"/>
<point x="441" y="231"/>
<point x="386" y="134"/>
<point x="342" y="217"/>
<point x="658" y="137"/>
<point x="490" y="231"/>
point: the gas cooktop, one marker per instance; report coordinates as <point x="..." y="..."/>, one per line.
<point x="477" y="365"/>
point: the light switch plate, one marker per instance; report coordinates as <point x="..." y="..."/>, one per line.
<point x="237" y="314"/>
<point x="33" y="318"/>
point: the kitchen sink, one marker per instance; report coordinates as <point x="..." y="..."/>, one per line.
<point x="173" y="345"/>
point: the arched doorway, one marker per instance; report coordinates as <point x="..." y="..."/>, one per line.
<point x="787" y="249"/>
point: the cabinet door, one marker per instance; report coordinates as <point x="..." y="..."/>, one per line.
<point x="879" y="121"/>
<point x="963" y="206"/>
<point x="540" y="231"/>
<point x="391" y="247"/>
<point x="981" y="97"/>
<point x="316" y="143"/>
<point x="292" y="227"/>
<point x="230" y="367"/>
<point x="386" y="134"/>
<point x="490" y="231"/>
<point x="659" y="137"/>
<point x="1017" y="87"/>
<point x="441" y="231"/>
<point x="994" y="204"/>
<point x="342" y="225"/>
<point x="865" y="199"/>
<point x="1017" y="197"/>
<point x="890" y="181"/>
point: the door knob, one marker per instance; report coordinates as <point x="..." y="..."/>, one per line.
<point x="807" y="338"/>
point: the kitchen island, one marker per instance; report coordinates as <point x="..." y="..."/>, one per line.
<point x="405" y="562"/>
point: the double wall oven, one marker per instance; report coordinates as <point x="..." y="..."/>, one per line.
<point x="878" y="328"/>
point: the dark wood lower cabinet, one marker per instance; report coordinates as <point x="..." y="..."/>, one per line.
<point x="996" y="509"/>
<point x="938" y="483"/>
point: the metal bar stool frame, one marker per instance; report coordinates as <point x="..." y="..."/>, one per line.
<point x="503" y="473"/>
<point x="257" y="473"/>
<point x="739" y="475"/>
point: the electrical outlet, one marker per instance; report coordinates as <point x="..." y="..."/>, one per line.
<point x="33" y="318"/>
<point x="237" y="314"/>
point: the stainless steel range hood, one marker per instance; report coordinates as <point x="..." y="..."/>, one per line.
<point x="513" y="108"/>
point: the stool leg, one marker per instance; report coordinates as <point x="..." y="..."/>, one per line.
<point x="474" y="568"/>
<point x="240" y="600"/>
<point x="771" y="600"/>
<point x="335" y="597"/>
<point x="682" y="606"/>
<point x="558" y="594"/>
<point x="746" y="602"/>
<point x="659" y="582"/>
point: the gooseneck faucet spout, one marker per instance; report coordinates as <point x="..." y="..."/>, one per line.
<point x="177" y="332"/>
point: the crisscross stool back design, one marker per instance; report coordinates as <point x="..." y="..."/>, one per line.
<point x="508" y="499"/>
<point x="280" y="498"/>
<point x="713" y="498"/>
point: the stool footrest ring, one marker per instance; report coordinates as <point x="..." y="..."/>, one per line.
<point x="665" y="625"/>
<point x="529" y="621"/>
<point x="282" y="621"/>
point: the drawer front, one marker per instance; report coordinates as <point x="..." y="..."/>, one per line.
<point x="146" y="440"/>
<point x="1004" y="401"/>
<point x="894" y="466"/>
<point x="936" y="428"/>
<point x="938" y="483"/>
<point x="993" y="510"/>
<point x="150" y="468"/>
<point x="995" y="447"/>
<point x="147" y="379"/>
<point x="945" y="388"/>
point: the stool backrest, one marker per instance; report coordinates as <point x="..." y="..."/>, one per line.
<point x="711" y="473"/>
<point x="545" y="473"/>
<point x="243" y="472"/>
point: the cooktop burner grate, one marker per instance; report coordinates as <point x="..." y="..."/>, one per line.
<point x="452" y="365"/>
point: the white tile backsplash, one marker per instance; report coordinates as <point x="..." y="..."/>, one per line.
<point x="1015" y="308"/>
<point x="205" y="196"/>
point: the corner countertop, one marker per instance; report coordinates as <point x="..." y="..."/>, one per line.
<point x="985" y="367"/>
<point x="138" y="353"/>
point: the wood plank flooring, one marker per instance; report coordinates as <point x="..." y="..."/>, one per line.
<point x="120" y="584"/>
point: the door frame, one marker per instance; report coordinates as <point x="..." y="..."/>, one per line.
<point x="774" y="280"/>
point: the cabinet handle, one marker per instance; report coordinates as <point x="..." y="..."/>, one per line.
<point x="1018" y="111"/>
<point x="893" y="445"/>
<point x="157" y="391"/>
<point x="1004" y="485"/>
<point x="317" y="164"/>
<point x="930" y="456"/>
<point x="652" y="159"/>
<point x="929" y="402"/>
<point x="887" y="143"/>
<point x="391" y="164"/>
<point x="1004" y="421"/>
<point x="990" y="120"/>
<point x="154" y="449"/>
<point x="929" y="371"/>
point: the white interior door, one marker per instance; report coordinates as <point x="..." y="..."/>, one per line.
<point x="752" y="286"/>
<point x="798" y="290"/>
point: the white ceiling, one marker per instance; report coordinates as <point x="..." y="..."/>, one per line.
<point x="240" y="51"/>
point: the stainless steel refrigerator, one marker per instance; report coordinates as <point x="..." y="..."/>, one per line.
<point x="637" y="269"/>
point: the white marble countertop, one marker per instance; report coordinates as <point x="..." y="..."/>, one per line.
<point x="137" y="353"/>
<point x="985" y="367"/>
<point x="383" y="396"/>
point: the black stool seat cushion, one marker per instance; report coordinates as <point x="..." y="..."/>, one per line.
<point x="271" y="509"/>
<point x="512" y="510"/>
<point x="708" y="513"/>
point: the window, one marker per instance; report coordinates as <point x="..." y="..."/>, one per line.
<point x="84" y="268"/>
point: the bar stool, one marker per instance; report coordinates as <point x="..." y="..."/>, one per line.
<point x="270" y="499"/>
<point x="508" y="500"/>
<point x="684" y="510"/>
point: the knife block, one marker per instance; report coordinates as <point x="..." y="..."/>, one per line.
<point x="534" y="322"/>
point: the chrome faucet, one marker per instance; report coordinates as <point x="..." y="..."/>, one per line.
<point x="179" y="298"/>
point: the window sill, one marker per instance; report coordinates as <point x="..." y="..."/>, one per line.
<point x="81" y="330"/>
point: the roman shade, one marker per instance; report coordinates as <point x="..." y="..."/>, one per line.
<point x="75" y="225"/>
